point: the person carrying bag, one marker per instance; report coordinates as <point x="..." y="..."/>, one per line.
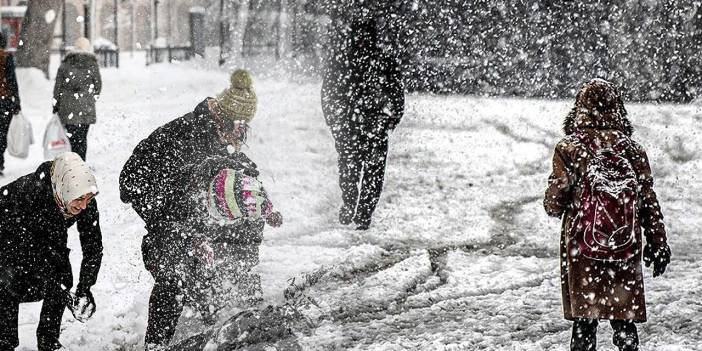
<point x="9" y="97"/>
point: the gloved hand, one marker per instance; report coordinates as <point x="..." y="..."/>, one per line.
<point x="83" y="305"/>
<point x="275" y="219"/>
<point x="659" y="257"/>
<point x="204" y="252"/>
<point x="392" y="123"/>
<point x="393" y="116"/>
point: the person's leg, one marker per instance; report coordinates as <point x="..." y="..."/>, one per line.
<point x="49" y="328"/>
<point x="78" y="136"/>
<point x="373" y="180"/>
<point x="164" y="309"/>
<point x="347" y="142"/>
<point x="4" y="127"/>
<point x="248" y="280"/>
<point x="9" y="311"/>
<point x="584" y="335"/>
<point x="625" y="337"/>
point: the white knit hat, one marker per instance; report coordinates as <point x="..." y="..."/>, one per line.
<point x="83" y="44"/>
<point x="71" y="178"/>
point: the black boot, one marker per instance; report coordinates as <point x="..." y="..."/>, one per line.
<point x="584" y="335"/>
<point x="625" y="337"/>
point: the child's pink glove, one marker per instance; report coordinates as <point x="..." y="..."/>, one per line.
<point x="275" y="219"/>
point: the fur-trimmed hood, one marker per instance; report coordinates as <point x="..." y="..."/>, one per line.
<point x="598" y="105"/>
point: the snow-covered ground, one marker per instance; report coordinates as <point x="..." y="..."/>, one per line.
<point x="461" y="254"/>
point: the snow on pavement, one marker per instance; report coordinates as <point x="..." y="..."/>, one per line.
<point x="461" y="254"/>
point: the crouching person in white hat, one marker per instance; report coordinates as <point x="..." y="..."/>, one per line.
<point x="36" y="212"/>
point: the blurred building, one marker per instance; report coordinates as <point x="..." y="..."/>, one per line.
<point x="136" y="21"/>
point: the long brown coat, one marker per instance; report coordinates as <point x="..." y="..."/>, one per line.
<point x="597" y="289"/>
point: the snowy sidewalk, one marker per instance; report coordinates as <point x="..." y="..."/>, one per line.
<point x="461" y="254"/>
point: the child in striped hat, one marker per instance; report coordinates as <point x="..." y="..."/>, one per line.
<point x="232" y="195"/>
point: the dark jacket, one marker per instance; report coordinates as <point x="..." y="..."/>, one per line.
<point x="9" y="91"/>
<point x="597" y="289"/>
<point x="152" y="177"/>
<point x="362" y="84"/>
<point x="78" y="85"/>
<point x="200" y="223"/>
<point x="33" y="231"/>
<point x="170" y="251"/>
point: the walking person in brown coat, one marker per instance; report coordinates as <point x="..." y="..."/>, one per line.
<point x="601" y="187"/>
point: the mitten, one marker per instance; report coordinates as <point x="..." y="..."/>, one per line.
<point x="275" y="219"/>
<point x="83" y="305"/>
<point x="659" y="257"/>
<point x="204" y="252"/>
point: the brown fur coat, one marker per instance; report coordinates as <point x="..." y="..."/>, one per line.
<point x="596" y="289"/>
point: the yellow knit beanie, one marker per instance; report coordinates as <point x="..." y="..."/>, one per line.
<point x="238" y="102"/>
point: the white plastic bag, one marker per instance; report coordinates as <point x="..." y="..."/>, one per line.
<point x="19" y="136"/>
<point x="55" y="139"/>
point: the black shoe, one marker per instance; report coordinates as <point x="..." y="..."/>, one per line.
<point x="345" y="215"/>
<point x="362" y="224"/>
<point x="50" y="346"/>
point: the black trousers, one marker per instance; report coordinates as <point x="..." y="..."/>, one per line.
<point x="78" y="136"/>
<point x="626" y="337"/>
<point x="165" y="308"/>
<point x="22" y="285"/>
<point x="4" y="127"/>
<point x="363" y="154"/>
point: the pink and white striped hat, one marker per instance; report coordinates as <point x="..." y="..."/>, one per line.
<point x="232" y="195"/>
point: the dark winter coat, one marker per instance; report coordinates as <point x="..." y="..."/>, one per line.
<point x="196" y="225"/>
<point x="597" y="289"/>
<point x="153" y="178"/>
<point x="362" y="84"/>
<point x="9" y="91"/>
<point x="200" y="223"/>
<point x="34" y="231"/>
<point x="78" y="86"/>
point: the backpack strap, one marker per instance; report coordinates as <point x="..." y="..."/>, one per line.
<point x="590" y="146"/>
<point x="621" y="146"/>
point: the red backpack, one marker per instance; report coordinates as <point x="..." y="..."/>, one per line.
<point x="606" y="226"/>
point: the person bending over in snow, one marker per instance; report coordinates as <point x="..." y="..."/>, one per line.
<point x="37" y="210"/>
<point x="150" y="181"/>
<point x="601" y="186"/>
<point x="217" y="244"/>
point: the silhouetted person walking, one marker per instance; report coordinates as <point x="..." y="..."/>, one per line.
<point x="362" y="101"/>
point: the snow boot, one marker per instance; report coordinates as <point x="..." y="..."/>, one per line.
<point x="154" y="347"/>
<point x="584" y="335"/>
<point x="625" y="336"/>
<point x="362" y="223"/>
<point x="51" y="346"/>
